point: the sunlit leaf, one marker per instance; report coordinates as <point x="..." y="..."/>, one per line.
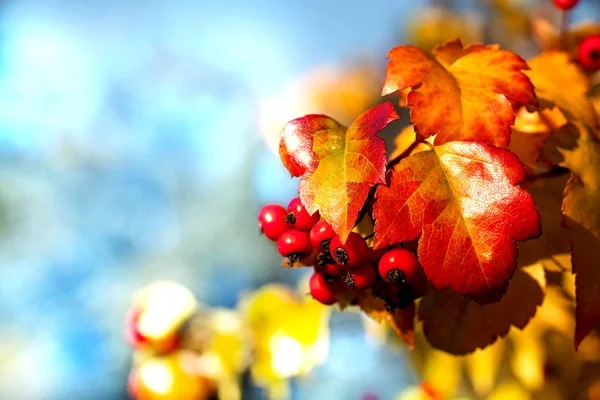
<point x="529" y="357"/>
<point x="455" y="324"/>
<point x="483" y="366"/>
<point x="338" y="165"/>
<point x="460" y="93"/>
<point x="529" y="134"/>
<point x="580" y="152"/>
<point x="552" y="249"/>
<point x="462" y="199"/>
<point x="552" y="67"/>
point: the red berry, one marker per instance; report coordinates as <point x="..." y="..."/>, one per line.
<point x="299" y="216"/>
<point x="332" y="269"/>
<point x="565" y="4"/>
<point x="374" y="255"/>
<point x="271" y="219"/>
<point x="401" y="266"/>
<point x="589" y="52"/>
<point x="352" y="253"/>
<point x="320" y="289"/>
<point x="294" y="244"/>
<point x="362" y="277"/>
<point x="321" y="235"/>
<point x="132" y="334"/>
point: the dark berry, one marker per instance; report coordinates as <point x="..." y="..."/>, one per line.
<point x="321" y="290"/>
<point x="589" y="52"/>
<point x="299" y="216"/>
<point x="401" y="266"/>
<point x="565" y="4"/>
<point x="271" y="219"/>
<point x="321" y="235"/>
<point x="294" y="245"/>
<point x="360" y="278"/>
<point x="352" y="253"/>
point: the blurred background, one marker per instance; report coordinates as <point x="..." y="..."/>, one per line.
<point x="137" y="144"/>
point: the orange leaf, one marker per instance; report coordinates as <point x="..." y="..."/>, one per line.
<point x="338" y="165"/>
<point x="547" y="71"/>
<point x="402" y="321"/>
<point x="580" y="153"/>
<point x="462" y="199"/>
<point x="529" y="134"/>
<point x="460" y="93"/>
<point x="458" y="325"/>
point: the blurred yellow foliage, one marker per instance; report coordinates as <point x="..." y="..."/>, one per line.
<point x="289" y="333"/>
<point x="430" y="26"/>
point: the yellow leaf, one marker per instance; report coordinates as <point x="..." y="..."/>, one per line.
<point x="529" y="134"/>
<point x="483" y="365"/>
<point x="553" y="66"/>
<point x="510" y="391"/>
<point x="433" y="25"/>
<point x="529" y="357"/>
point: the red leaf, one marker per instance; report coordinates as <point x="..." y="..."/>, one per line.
<point x="460" y="93"/>
<point x="462" y="200"/>
<point x="338" y="165"/>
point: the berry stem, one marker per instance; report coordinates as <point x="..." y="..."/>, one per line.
<point x="369" y="236"/>
<point x="564" y="29"/>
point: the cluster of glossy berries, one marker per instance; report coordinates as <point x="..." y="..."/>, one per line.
<point x="342" y="268"/>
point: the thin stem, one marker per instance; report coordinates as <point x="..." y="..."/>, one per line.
<point x="369" y="236"/>
<point x="564" y="29"/>
<point x="404" y="154"/>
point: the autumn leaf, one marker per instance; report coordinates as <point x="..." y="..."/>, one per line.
<point x="552" y="67"/>
<point x="460" y="93"/>
<point x="580" y="152"/>
<point x="458" y="325"/>
<point x="401" y="321"/>
<point x="529" y="135"/>
<point x="552" y="247"/>
<point x="462" y="198"/>
<point x="338" y="165"/>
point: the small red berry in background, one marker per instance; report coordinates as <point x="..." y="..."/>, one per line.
<point x="271" y="219"/>
<point x="589" y="52"/>
<point x="401" y="266"/>
<point x="320" y="289"/>
<point x="352" y="253"/>
<point x="299" y="216"/>
<point x="321" y="235"/>
<point x="294" y="244"/>
<point x="132" y="334"/>
<point x="361" y="278"/>
<point x="565" y="4"/>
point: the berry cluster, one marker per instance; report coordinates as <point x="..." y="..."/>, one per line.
<point x="343" y="269"/>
